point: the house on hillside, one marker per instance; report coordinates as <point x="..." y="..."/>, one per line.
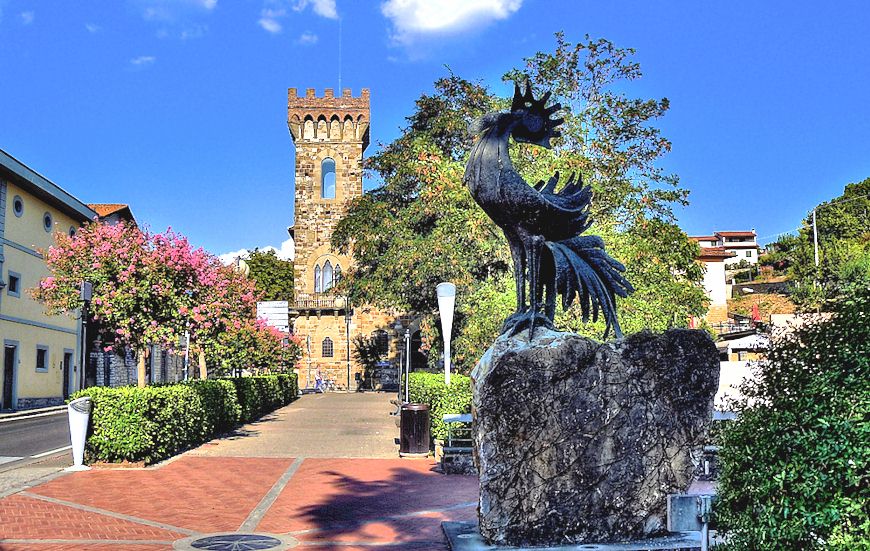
<point x="41" y="353"/>
<point x="742" y="243"/>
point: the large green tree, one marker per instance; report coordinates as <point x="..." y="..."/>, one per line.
<point x="422" y="226"/>
<point x="272" y="276"/>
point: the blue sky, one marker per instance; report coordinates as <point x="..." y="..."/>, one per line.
<point x="178" y="107"/>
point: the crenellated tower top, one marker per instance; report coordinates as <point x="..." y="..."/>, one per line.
<point x="328" y="118"/>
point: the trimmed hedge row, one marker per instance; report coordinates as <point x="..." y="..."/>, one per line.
<point x="152" y="423"/>
<point x="429" y="388"/>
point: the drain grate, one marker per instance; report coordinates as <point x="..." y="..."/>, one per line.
<point x="236" y="542"/>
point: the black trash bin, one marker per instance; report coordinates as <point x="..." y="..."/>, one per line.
<point x="414" y="430"/>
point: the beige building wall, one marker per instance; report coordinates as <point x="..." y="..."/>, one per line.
<point x="24" y="325"/>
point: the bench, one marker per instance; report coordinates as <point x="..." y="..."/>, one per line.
<point x="457" y="450"/>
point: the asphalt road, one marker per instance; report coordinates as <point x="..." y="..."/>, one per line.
<point x="22" y="439"/>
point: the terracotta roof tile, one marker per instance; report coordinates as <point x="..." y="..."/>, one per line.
<point x="106" y="209"/>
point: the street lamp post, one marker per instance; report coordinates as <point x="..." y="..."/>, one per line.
<point x="86" y="293"/>
<point x="407" y="365"/>
<point x="446" y="293"/>
<point x="397" y="327"/>
<point x="348" y="315"/>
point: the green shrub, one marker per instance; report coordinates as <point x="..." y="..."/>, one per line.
<point x="144" y="424"/>
<point x="222" y="411"/>
<point x="155" y="422"/>
<point x="429" y="388"/>
<point x="796" y="462"/>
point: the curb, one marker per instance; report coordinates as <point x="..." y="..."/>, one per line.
<point x="30" y="413"/>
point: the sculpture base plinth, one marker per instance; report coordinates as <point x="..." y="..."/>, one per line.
<point x="465" y="536"/>
<point x="580" y="442"/>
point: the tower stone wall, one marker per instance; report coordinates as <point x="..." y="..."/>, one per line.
<point x="336" y="128"/>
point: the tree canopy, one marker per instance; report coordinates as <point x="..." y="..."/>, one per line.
<point x="272" y="276"/>
<point x="843" y="226"/>
<point x="422" y="227"/>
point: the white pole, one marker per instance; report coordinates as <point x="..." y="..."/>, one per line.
<point x="446" y="302"/>
<point x="815" y="238"/>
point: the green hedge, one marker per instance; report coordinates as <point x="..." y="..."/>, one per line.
<point x="429" y="388"/>
<point x="152" y="423"/>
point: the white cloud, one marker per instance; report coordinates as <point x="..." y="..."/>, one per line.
<point x="323" y="8"/>
<point x="207" y="4"/>
<point x="269" y="21"/>
<point x="143" y="60"/>
<point x="92" y="28"/>
<point x="287" y="251"/>
<point x="419" y="17"/>
<point x="307" y="39"/>
<point x="27" y="17"/>
<point x="193" y="31"/>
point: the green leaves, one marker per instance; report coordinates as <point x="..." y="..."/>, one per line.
<point x="796" y="463"/>
<point x="272" y="276"/>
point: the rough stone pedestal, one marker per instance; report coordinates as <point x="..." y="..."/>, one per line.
<point x="580" y="442"/>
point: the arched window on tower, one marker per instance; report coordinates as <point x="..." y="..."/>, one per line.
<point x="327" y="350"/>
<point x="318" y="283"/>
<point x="308" y="128"/>
<point x="327" y="276"/>
<point x="327" y="178"/>
<point x="337" y="277"/>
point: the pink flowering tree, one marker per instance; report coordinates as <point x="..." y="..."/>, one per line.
<point x="135" y="303"/>
<point x="151" y="289"/>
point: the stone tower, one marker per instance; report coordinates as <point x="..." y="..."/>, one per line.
<point x="331" y="133"/>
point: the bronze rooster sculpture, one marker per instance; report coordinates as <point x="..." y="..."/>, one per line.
<point x="542" y="225"/>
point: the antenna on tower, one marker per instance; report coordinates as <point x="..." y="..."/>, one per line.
<point x="339" y="56"/>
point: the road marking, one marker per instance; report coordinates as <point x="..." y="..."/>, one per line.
<point x="8" y="459"/>
<point x="23" y="417"/>
<point x="50" y="452"/>
<point x="268" y="500"/>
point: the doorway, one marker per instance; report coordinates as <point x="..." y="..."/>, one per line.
<point x="10" y="358"/>
<point x="67" y="368"/>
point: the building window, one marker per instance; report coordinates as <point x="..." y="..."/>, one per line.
<point x="41" y="358"/>
<point x="327" y="276"/>
<point x="748" y="254"/>
<point x="18" y="206"/>
<point x="337" y="277"/>
<point x="318" y="285"/>
<point x="47" y="222"/>
<point x="327" y="178"/>
<point x="72" y="231"/>
<point x="382" y="341"/>
<point x="13" y="288"/>
<point x="327" y="351"/>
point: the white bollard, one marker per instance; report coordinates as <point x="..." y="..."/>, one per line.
<point x="79" y="411"/>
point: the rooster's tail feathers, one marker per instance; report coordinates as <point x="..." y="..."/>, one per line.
<point x="583" y="269"/>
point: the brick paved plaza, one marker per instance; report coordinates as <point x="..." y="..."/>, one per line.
<point x="320" y="502"/>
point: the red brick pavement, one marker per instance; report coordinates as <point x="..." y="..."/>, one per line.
<point x="327" y="504"/>
<point x="205" y="494"/>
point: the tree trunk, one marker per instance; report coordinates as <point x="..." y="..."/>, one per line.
<point x="203" y="369"/>
<point x="140" y="365"/>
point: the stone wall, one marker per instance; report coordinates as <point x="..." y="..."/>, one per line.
<point x="319" y="325"/>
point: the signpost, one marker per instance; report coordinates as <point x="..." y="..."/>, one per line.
<point x="446" y="302"/>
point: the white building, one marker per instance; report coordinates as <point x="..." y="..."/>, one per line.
<point x="742" y="243"/>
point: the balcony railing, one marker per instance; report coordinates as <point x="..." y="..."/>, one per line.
<point x="318" y="301"/>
